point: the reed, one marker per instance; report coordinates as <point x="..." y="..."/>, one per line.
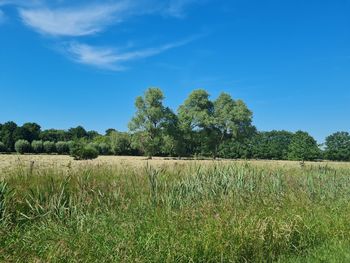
<point x="218" y="212"/>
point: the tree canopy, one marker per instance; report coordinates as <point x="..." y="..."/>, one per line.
<point x="221" y="127"/>
<point x="338" y="146"/>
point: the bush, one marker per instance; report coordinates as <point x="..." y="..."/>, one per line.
<point x="83" y="152"/>
<point x="104" y="148"/>
<point x="70" y="144"/>
<point x="22" y="146"/>
<point x="37" y="146"/>
<point x="2" y="147"/>
<point x="89" y="153"/>
<point x="49" y="147"/>
<point x="62" y="147"/>
<point x="94" y="145"/>
<point x="120" y="143"/>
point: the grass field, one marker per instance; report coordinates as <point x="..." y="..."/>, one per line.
<point x="128" y="209"/>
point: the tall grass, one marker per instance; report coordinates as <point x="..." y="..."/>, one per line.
<point x="179" y="213"/>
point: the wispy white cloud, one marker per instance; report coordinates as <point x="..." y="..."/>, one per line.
<point x="92" y="18"/>
<point x="111" y="58"/>
<point x="74" y="19"/>
<point x="177" y="7"/>
<point x="73" y="22"/>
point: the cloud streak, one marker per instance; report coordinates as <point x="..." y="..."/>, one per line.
<point x="68" y="21"/>
<point x="177" y="8"/>
<point x="92" y="18"/>
<point x="111" y="59"/>
<point x="73" y="22"/>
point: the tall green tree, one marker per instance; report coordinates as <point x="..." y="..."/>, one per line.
<point x="54" y="135"/>
<point x="208" y="124"/>
<point x="172" y="136"/>
<point x="77" y="133"/>
<point x="303" y="147"/>
<point x="109" y="131"/>
<point x="149" y="121"/>
<point x="271" y="145"/>
<point x="231" y="120"/>
<point x="29" y="131"/>
<point x="120" y="143"/>
<point x="7" y="134"/>
<point x="338" y="146"/>
<point x="196" y="122"/>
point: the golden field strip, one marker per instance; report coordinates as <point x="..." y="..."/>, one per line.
<point x="10" y="161"/>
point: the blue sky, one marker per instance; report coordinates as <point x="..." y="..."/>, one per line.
<point x="67" y="63"/>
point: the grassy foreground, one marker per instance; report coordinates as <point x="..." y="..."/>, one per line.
<point x="219" y="212"/>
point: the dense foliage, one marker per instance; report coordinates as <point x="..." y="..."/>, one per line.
<point x="49" y="147"/>
<point x="2" y="147"/>
<point x="37" y="146"/>
<point x="201" y="127"/>
<point x="338" y="146"/>
<point x="83" y="152"/>
<point x="22" y="146"/>
<point x="62" y="147"/>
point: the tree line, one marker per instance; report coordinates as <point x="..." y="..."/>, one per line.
<point x="201" y="127"/>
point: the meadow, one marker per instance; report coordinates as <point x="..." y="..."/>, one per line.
<point x="130" y="209"/>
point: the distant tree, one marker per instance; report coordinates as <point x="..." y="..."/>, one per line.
<point x="104" y="148"/>
<point x="271" y="145"/>
<point x="338" y="146"/>
<point x="172" y="136"/>
<point x="7" y="134"/>
<point x="109" y="131"/>
<point x="92" y="135"/>
<point x="80" y="151"/>
<point x="77" y="133"/>
<point x="149" y="120"/>
<point x="37" y="146"/>
<point x="28" y="131"/>
<point x="303" y="147"/>
<point x="49" y="147"/>
<point x="120" y="143"/>
<point x="206" y="124"/>
<point x="195" y="117"/>
<point x="54" y="135"/>
<point x="234" y="149"/>
<point x="2" y="147"/>
<point x="231" y="120"/>
<point x="22" y="146"/>
<point x="62" y="147"/>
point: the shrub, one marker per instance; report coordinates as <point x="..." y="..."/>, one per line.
<point x="83" y="152"/>
<point x="94" y="145"/>
<point x="120" y="143"/>
<point x="89" y="153"/>
<point x="62" y="147"/>
<point x="22" y="146"/>
<point x="2" y="147"/>
<point x="70" y="144"/>
<point x="37" y="146"/>
<point x="49" y="147"/>
<point x="104" y="148"/>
